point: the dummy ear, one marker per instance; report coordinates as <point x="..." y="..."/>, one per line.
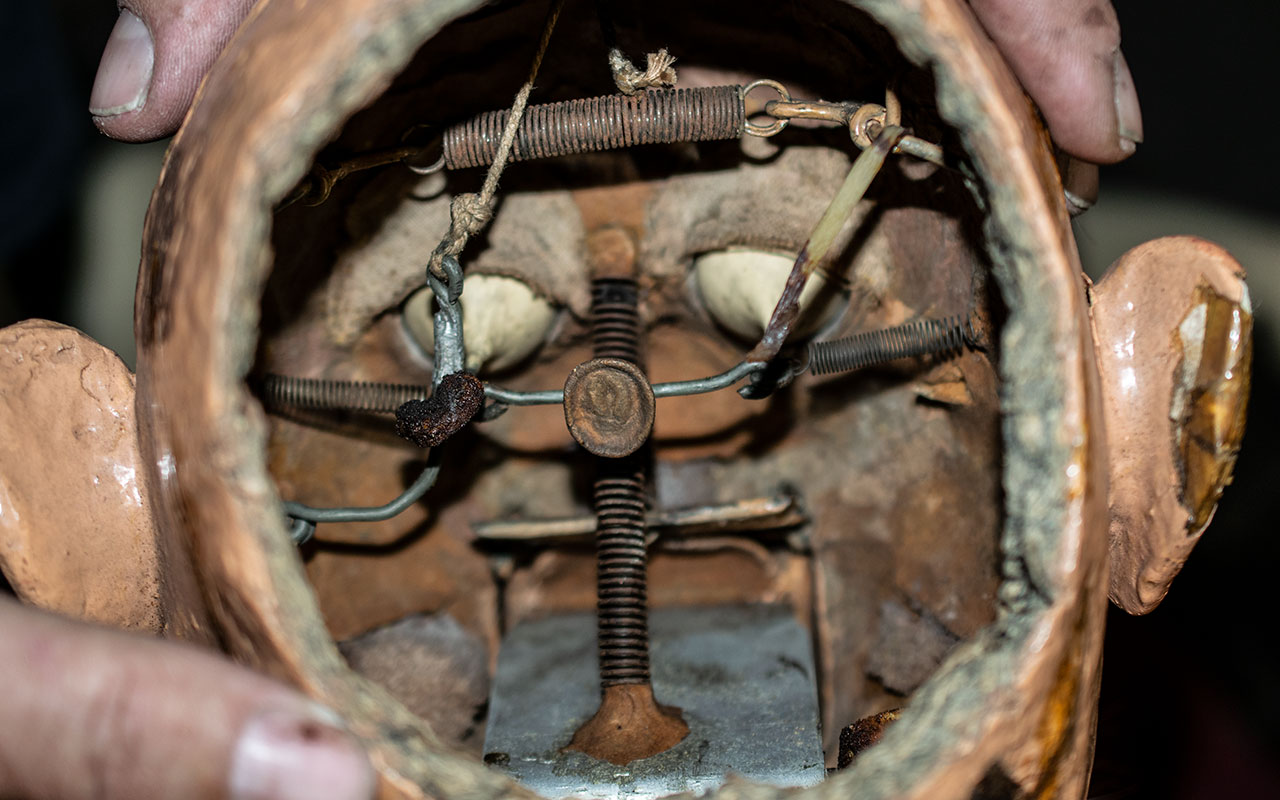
<point x="76" y="531"/>
<point x="1173" y="329"/>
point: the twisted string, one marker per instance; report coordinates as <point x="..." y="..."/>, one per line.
<point x="630" y="80"/>
<point x="470" y="212"/>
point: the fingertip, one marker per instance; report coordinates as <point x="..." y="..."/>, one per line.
<point x="136" y="126"/>
<point x="1103" y="125"/>
<point x="130" y="100"/>
<point x="291" y="756"/>
<point x="154" y="60"/>
<point x="113" y="716"/>
<point x="1066" y="54"/>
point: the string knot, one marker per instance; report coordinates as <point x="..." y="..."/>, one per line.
<point x="470" y="212"/>
<point x="630" y="80"/>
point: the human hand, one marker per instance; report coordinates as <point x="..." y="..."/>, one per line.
<point x="1065" y="52"/>
<point x="154" y="60"/>
<point x="89" y="712"/>
<point x="1067" y="55"/>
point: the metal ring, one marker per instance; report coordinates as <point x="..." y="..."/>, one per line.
<point x="430" y="170"/>
<point x="858" y="123"/>
<point x="447" y="294"/>
<point x="777" y="125"/>
<point x="892" y="107"/>
<point x="427" y="170"/>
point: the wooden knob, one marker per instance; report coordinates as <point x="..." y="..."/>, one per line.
<point x="608" y="406"/>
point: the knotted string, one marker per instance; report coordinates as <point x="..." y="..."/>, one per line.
<point x="470" y="212"/>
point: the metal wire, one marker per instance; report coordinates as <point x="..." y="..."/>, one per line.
<point x="305" y="517"/>
<point x="319" y="393"/>
<point x="917" y="338"/>
<point x="514" y="397"/>
<point x="702" y="385"/>
<point x="280" y="392"/>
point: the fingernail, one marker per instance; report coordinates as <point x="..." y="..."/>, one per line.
<point x="124" y="73"/>
<point x="283" y="756"/>
<point x="1079" y="183"/>
<point x="1128" y="113"/>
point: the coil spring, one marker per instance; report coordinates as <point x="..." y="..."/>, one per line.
<point x="281" y="392"/>
<point x="601" y="123"/>
<point x="622" y="615"/>
<point x="917" y="338"/>
<point x="615" y="319"/>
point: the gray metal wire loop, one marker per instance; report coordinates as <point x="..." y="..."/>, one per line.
<point x="310" y="515"/>
<point x="450" y="355"/>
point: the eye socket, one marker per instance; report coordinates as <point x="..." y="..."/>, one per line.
<point x="504" y="321"/>
<point x="740" y="286"/>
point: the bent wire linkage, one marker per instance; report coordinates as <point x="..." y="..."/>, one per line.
<point x="859" y="351"/>
<point x="450" y="356"/>
<point x="871" y="348"/>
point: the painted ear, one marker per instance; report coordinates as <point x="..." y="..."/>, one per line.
<point x="1173" y="330"/>
<point x="76" y="531"/>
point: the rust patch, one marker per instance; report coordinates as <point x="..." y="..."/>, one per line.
<point x="629" y="725"/>
<point x="611" y="253"/>
<point x="1061" y="712"/>
<point x="430" y="422"/>
<point x="861" y="735"/>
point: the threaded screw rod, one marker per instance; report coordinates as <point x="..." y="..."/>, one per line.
<point x="283" y="391"/>
<point x="917" y="338"/>
<point x="622" y="614"/>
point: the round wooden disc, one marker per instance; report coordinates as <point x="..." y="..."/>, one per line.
<point x="609" y="406"/>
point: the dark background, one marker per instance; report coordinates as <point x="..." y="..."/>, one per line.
<point x="1190" y="693"/>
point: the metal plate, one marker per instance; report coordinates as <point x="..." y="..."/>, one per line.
<point x="743" y="676"/>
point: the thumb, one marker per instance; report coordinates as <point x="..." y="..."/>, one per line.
<point x="95" y="713"/>
<point x="1067" y="55"/>
<point x="155" y="58"/>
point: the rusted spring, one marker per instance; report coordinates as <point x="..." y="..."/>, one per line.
<point x="281" y="392"/>
<point x="621" y="596"/>
<point x="615" y="319"/>
<point x="609" y="122"/>
<point x="917" y="338"/>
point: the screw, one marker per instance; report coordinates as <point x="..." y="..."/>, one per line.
<point x="629" y="723"/>
<point x="621" y="595"/>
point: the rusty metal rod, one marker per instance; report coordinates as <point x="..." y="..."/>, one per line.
<point x="916" y="338"/>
